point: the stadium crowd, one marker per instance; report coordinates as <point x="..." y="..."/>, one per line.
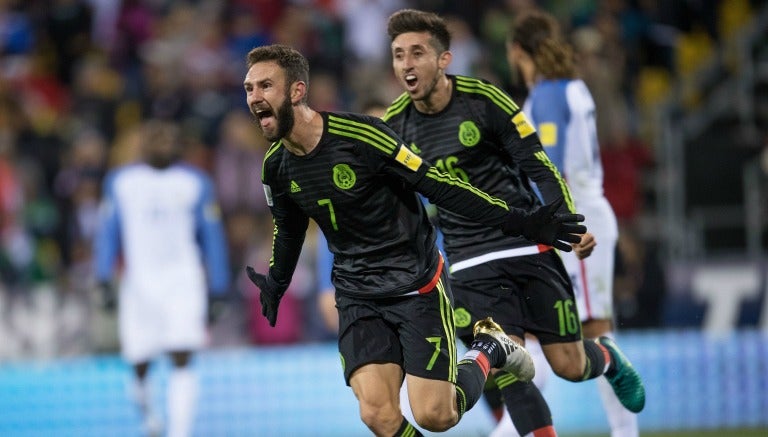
<point x="79" y="77"/>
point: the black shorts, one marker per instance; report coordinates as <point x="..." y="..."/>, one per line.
<point x="414" y="331"/>
<point x="530" y="293"/>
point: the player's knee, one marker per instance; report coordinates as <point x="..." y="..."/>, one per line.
<point x="567" y="361"/>
<point x="436" y="419"/>
<point x="380" y="418"/>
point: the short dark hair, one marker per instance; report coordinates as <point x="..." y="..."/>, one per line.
<point x="412" y="20"/>
<point x="294" y="64"/>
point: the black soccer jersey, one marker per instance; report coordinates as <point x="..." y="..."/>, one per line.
<point x="483" y="138"/>
<point x="358" y="185"/>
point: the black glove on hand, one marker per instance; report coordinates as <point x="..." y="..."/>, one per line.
<point x="108" y="295"/>
<point x="270" y="295"/>
<point x="546" y="226"/>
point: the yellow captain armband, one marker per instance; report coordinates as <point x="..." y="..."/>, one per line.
<point x="524" y="128"/>
<point x="408" y="158"/>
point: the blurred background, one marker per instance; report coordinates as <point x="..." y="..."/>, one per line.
<point x="681" y="88"/>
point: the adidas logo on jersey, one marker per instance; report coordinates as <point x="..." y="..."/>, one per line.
<point x="295" y="187"/>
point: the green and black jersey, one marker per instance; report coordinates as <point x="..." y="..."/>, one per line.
<point x="358" y="185"/>
<point x="483" y="138"/>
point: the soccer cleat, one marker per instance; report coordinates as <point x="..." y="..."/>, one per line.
<point x="625" y="380"/>
<point x="517" y="360"/>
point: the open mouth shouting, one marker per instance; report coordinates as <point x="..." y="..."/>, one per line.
<point x="411" y="82"/>
<point x="265" y="116"/>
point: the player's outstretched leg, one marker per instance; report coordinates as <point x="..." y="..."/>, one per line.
<point x="624" y="378"/>
<point x="513" y="359"/>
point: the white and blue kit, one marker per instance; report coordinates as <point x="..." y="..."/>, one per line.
<point x="164" y="227"/>
<point x="563" y="112"/>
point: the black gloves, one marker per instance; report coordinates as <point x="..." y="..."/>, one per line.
<point x="108" y="295"/>
<point x="546" y="226"/>
<point x="271" y="293"/>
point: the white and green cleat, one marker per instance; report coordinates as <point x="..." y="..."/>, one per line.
<point x="624" y="379"/>
<point x="517" y="360"/>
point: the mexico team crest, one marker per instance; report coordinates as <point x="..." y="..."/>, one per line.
<point x="462" y="317"/>
<point x="343" y="176"/>
<point x="469" y="134"/>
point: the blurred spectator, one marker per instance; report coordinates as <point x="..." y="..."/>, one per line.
<point x="42" y="104"/>
<point x="365" y="24"/>
<point x="68" y="27"/>
<point x="603" y="76"/>
<point x="16" y="252"/>
<point x="135" y="22"/>
<point x="267" y="12"/>
<point x="197" y="151"/>
<point x="324" y="93"/>
<point x="104" y="32"/>
<point x="467" y="50"/>
<point x="16" y="29"/>
<point x="208" y="70"/>
<point x="78" y="184"/>
<point x="96" y="93"/>
<point x="493" y="26"/>
<point x="28" y="253"/>
<point x="626" y="159"/>
<point x="366" y="47"/>
<point x="134" y="28"/>
<point x="294" y="27"/>
<point x="245" y="31"/>
<point x="237" y="165"/>
<point x="162" y="74"/>
<point x="126" y="146"/>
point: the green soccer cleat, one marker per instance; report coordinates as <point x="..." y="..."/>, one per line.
<point x="625" y="380"/>
<point x="517" y="360"/>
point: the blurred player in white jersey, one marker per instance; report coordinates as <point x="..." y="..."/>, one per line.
<point x="161" y="220"/>
<point x="563" y="111"/>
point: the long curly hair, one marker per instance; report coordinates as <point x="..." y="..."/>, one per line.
<point x="539" y="34"/>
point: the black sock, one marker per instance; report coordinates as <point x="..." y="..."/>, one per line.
<point x="470" y="381"/>
<point x="527" y="407"/>
<point x="490" y="347"/>
<point x="407" y="430"/>
<point x="493" y="398"/>
<point x="596" y="360"/>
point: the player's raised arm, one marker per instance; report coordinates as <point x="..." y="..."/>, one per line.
<point x="542" y="225"/>
<point x="520" y="140"/>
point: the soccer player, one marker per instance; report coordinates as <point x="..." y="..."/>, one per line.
<point x="474" y="131"/>
<point x="354" y="176"/>
<point x="563" y="111"/>
<point x="161" y="219"/>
